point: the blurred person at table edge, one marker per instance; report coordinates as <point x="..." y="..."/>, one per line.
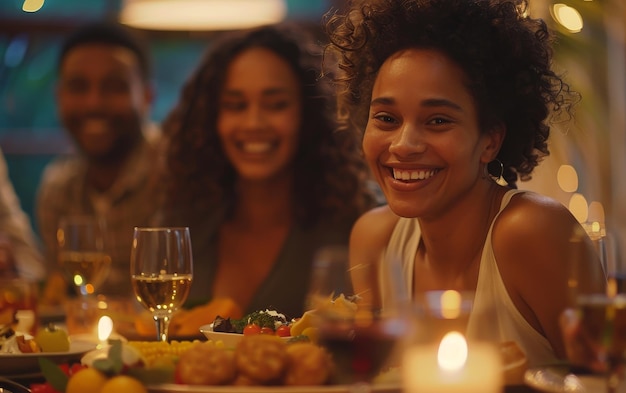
<point x="19" y="248"/>
<point x="452" y="95"/>
<point x="256" y="170"/>
<point x="104" y="96"/>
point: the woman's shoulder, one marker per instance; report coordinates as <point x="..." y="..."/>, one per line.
<point x="534" y="227"/>
<point x="530" y="211"/>
<point x="373" y="229"/>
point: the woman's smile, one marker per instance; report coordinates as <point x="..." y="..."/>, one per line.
<point x="413" y="175"/>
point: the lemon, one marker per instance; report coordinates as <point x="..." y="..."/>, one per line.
<point x="52" y="339"/>
<point x="123" y="384"/>
<point x="307" y="320"/>
<point x="312" y="333"/>
<point x="86" y="380"/>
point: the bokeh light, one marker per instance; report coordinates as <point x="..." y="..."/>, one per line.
<point x="567" y="178"/>
<point x="578" y="207"/>
<point x="568" y="17"/>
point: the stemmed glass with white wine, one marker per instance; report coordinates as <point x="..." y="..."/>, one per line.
<point x="82" y="252"/>
<point x="161" y="269"/>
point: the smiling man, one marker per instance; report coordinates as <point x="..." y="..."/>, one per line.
<point x="104" y="98"/>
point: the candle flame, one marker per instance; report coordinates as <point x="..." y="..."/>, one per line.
<point x="450" y="304"/>
<point x="452" y="353"/>
<point x="105" y="327"/>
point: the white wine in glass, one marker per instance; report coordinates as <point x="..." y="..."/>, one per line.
<point x="161" y="269"/>
<point x="82" y="252"/>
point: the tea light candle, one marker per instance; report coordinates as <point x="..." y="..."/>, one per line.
<point x="105" y="328"/>
<point x="100" y="334"/>
<point x="452" y="367"/>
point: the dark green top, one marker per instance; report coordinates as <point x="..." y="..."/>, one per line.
<point x="286" y="285"/>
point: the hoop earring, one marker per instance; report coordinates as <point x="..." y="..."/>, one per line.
<point x="498" y="179"/>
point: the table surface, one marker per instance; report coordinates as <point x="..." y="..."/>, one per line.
<point x="58" y="317"/>
<point x="31" y="380"/>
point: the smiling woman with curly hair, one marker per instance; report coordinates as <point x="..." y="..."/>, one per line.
<point x="257" y="170"/>
<point x="452" y="95"/>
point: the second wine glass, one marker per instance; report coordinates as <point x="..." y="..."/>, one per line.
<point x="82" y="252"/>
<point x="161" y="269"/>
<point x="600" y="337"/>
<point x="353" y="326"/>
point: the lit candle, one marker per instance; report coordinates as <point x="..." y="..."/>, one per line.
<point x="453" y="366"/>
<point x="105" y="328"/>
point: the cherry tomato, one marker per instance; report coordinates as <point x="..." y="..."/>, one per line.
<point x="177" y="378"/>
<point x="251" y="329"/>
<point x="65" y="368"/>
<point x="267" y="330"/>
<point x="283" y="331"/>
<point x="76" y="367"/>
<point x="42" y="388"/>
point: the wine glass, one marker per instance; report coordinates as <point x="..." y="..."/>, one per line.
<point x="82" y="252"/>
<point x="603" y="327"/>
<point x="358" y="332"/>
<point x="161" y="269"/>
<point x="601" y="313"/>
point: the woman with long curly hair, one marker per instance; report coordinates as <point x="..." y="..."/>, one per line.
<point x="452" y="95"/>
<point x="257" y="170"/>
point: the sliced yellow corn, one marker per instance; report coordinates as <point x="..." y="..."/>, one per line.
<point x="160" y="354"/>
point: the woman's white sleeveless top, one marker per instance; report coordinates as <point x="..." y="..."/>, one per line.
<point x="494" y="316"/>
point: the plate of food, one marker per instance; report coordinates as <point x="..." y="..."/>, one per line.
<point x="229" y="340"/>
<point x="181" y="367"/>
<point x="231" y="331"/>
<point x="175" y="388"/>
<point x="259" y="364"/>
<point x="559" y="379"/>
<point x="23" y="363"/>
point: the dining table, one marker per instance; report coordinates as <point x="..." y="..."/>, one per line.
<point x="22" y="383"/>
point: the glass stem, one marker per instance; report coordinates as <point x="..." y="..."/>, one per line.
<point x="612" y="383"/>
<point x="614" y="376"/>
<point x="360" y="387"/>
<point x="162" y="326"/>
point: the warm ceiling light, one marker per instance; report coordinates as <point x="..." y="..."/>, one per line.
<point x="32" y="5"/>
<point x="188" y="15"/>
<point x="568" y="17"/>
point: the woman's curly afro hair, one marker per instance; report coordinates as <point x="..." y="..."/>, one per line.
<point x="505" y="55"/>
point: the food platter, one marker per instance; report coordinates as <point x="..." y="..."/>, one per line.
<point x="24" y="363"/>
<point x="559" y="379"/>
<point x="229" y="340"/>
<point x="173" y="388"/>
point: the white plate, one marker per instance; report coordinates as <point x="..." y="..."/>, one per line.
<point x="558" y="380"/>
<point x="230" y="340"/>
<point x="23" y="363"/>
<point x="172" y="388"/>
